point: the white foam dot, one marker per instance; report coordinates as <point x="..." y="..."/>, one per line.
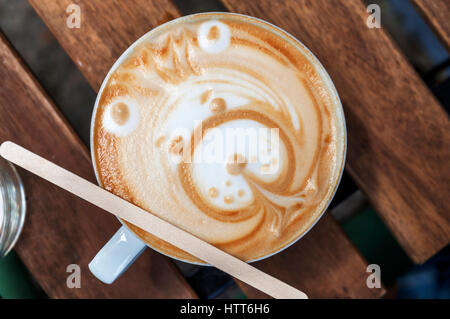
<point x="113" y="127"/>
<point x="216" y="45"/>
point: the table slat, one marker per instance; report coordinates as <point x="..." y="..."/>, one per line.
<point x="61" y="229"/>
<point x="324" y="264"/>
<point x="398" y="134"/>
<point x="437" y="14"/>
<point x="107" y="28"/>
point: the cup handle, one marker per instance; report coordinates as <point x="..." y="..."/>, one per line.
<point x="116" y="256"/>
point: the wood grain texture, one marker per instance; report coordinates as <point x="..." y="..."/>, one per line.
<point x="324" y="248"/>
<point x="398" y="134"/>
<point x="437" y="14"/>
<point x="324" y="264"/>
<point x="107" y="28"/>
<point x="61" y="229"/>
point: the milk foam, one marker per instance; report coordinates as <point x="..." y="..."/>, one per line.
<point x="213" y="45"/>
<point x="185" y="88"/>
<point x="121" y="129"/>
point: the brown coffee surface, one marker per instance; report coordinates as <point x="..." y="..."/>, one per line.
<point x="229" y="72"/>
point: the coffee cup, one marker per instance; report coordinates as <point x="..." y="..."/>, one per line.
<point x="229" y="124"/>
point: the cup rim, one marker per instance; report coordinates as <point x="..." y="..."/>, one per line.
<point x="300" y="46"/>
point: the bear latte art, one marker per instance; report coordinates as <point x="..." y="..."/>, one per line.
<point x="228" y="126"/>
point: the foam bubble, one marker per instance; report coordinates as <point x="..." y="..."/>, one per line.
<point x="216" y="44"/>
<point x="124" y="125"/>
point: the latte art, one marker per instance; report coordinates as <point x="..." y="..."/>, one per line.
<point x="228" y="127"/>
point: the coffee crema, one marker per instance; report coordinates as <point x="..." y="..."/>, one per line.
<point x="162" y="106"/>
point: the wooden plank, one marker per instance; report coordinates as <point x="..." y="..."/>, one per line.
<point x="61" y="229"/>
<point x="107" y="28"/>
<point x="324" y="264"/>
<point x="398" y="134"/>
<point x="324" y="249"/>
<point x="437" y="14"/>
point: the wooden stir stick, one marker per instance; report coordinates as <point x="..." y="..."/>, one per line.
<point x="149" y="222"/>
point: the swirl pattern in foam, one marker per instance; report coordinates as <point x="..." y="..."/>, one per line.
<point x="228" y="126"/>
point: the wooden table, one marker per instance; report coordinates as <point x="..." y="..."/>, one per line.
<point x="398" y="148"/>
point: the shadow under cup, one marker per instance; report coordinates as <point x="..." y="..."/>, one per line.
<point x="125" y="246"/>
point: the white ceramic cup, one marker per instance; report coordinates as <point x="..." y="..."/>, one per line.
<point x="124" y="247"/>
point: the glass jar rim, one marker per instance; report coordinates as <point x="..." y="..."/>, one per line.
<point x="12" y="215"/>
